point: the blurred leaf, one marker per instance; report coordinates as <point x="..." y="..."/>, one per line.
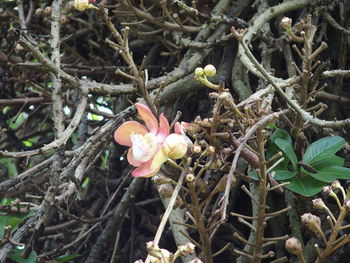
<point x="15" y="255"/>
<point x="10" y="166"/>
<point x="66" y="258"/>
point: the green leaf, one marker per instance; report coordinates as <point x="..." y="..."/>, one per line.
<point x="66" y="258"/>
<point x="333" y="160"/>
<point x="306" y="186"/>
<point x="329" y="174"/>
<point x="321" y="150"/>
<point x="287" y="149"/>
<point x="283" y="175"/>
<point x="15" y="255"/>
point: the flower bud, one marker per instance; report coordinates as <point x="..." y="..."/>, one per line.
<point x="165" y="190"/>
<point x="186" y="249"/>
<point x="293" y="246"/>
<point x="160" y="179"/>
<point x="39" y="12"/>
<point x="152" y="246"/>
<point x="347" y="204"/>
<point x="190" y="178"/>
<point x="64" y="20"/>
<point x="198" y="72"/>
<point x="81" y="5"/>
<point x="209" y="70"/>
<point x="336" y="184"/>
<point x="211" y="150"/>
<point x="312" y="222"/>
<point x="286" y="23"/>
<point x="175" y="146"/>
<point x="47" y="10"/>
<point x="318" y="203"/>
<point x="196" y="149"/>
<point x="327" y="189"/>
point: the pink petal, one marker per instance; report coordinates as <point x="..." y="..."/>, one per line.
<point x="144" y="170"/>
<point x="122" y="134"/>
<point x="132" y="160"/>
<point x="178" y="128"/>
<point x="163" y="130"/>
<point x="148" y="117"/>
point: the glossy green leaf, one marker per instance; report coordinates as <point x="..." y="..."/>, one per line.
<point x="329" y="174"/>
<point x="283" y="175"/>
<point x="287" y="149"/>
<point x="322" y="149"/>
<point x="306" y="186"/>
<point x="333" y="160"/>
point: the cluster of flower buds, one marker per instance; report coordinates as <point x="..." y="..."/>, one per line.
<point x="160" y="255"/>
<point x="201" y="75"/>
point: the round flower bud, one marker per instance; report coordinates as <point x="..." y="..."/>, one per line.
<point x="175" y="146"/>
<point x="190" y="178"/>
<point x="209" y="70"/>
<point x="196" y="149"/>
<point x="81" y="5"/>
<point x="199" y="72"/>
<point x="286" y="23"/>
<point x="39" y="12"/>
<point x="64" y="20"/>
<point x="293" y="246"/>
<point x="47" y="10"/>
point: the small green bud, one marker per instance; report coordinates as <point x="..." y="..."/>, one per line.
<point x="199" y="72"/>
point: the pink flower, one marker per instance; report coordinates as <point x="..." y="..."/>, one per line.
<point x="150" y="146"/>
